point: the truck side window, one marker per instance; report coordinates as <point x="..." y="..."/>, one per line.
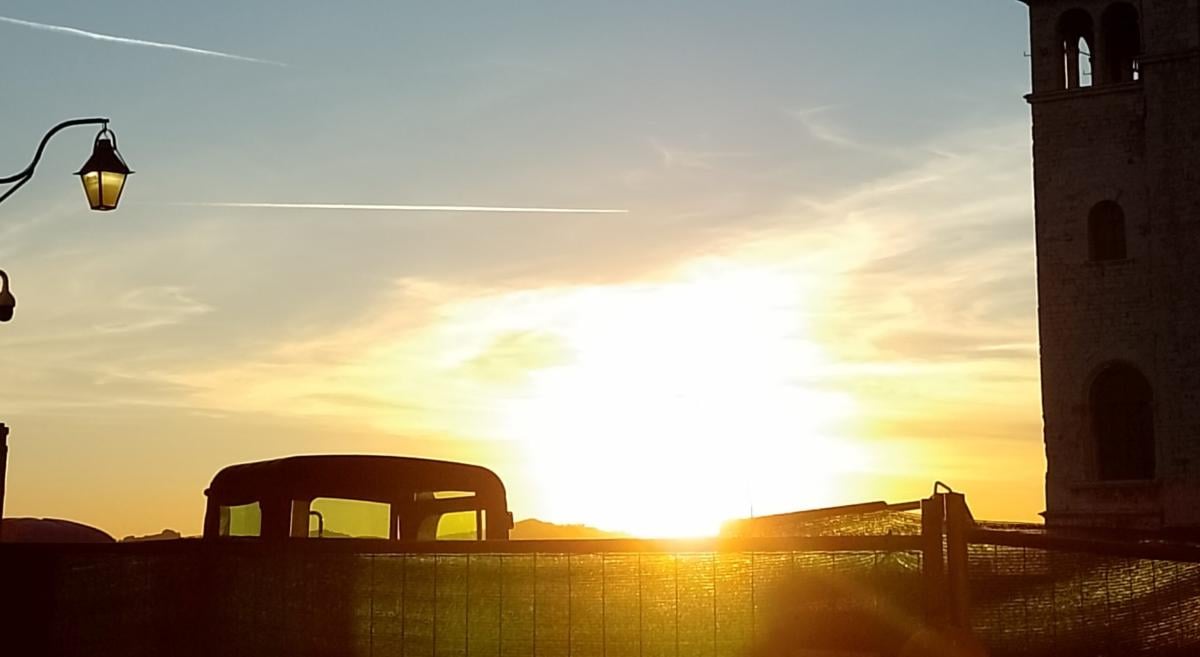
<point x="459" y="526"/>
<point x="241" y="520"/>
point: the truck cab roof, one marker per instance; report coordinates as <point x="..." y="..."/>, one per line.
<point x="282" y="491"/>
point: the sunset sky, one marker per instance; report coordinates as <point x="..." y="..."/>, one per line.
<point x="816" y="287"/>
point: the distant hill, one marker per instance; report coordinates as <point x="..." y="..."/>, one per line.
<point x="164" y="535"/>
<point x="534" y="529"/>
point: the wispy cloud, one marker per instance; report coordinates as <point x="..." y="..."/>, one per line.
<point x="672" y="157"/>
<point x="823" y="131"/>
<point x="155" y="307"/>
<point x="407" y="208"/>
<point x="62" y="29"/>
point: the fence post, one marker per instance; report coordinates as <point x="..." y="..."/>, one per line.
<point x="958" y="523"/>
<point x="933" y="574"/>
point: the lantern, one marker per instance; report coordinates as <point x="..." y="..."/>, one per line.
<point x="104" y="173"/>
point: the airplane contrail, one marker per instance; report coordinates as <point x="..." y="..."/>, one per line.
<point x="62" y="29"/>
<point x="407" y="208"/>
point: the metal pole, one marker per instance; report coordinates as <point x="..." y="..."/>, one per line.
<point x="933" y="566"/>
<point x="3" y="471"/>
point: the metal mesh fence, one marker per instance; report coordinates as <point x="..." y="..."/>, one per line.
<point x="1031" y="602"/>
<point x="884" y="522"/>
<point x="603" y="604"/>
<point x="1030" y="594"/>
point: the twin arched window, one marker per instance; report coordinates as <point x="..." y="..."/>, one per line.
<point x="1122" y="417"/>
<point x="1119" y="45"/>
<point x="1106" y="232"/>
<point x="1076" y="37"/>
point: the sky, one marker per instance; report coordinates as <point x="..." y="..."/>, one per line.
<point x="813" y="283"/>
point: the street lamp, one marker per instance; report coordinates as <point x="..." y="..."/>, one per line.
<point x="103" y="174"/>
<point x="103" y="177"/>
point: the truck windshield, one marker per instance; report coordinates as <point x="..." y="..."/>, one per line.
<point x="330" y="517"/>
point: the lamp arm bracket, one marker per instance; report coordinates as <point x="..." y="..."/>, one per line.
<point x="23" y="176"/>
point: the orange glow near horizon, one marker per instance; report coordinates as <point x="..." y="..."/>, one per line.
<point x="662" y="406"/>
<point x="724" y="387"/>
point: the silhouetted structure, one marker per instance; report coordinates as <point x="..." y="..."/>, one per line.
<point x="1116" y="125"/>
<point x="51" y="530"/>
<point x="347" y="496"/>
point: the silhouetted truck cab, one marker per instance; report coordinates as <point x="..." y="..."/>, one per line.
<point x="344" y="496"/>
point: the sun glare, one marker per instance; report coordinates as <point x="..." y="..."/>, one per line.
<point x="681" y="404"/>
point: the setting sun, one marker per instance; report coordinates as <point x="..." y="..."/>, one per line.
<point x="678" y="405"/>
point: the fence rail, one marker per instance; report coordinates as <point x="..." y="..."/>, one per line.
<point x="195" y="546"/>
<point x="1143" y="549"/>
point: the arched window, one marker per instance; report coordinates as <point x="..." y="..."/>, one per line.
<point x="1106" y="232"/>
<point x="1122" y="43"/>
<point x="1122" y="424"/>
<point x="1075" y="37"/>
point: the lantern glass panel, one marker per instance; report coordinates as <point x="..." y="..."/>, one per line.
<point x="103" y="188"/>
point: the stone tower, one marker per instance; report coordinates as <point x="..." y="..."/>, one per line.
<point x="1116" y="146"/>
